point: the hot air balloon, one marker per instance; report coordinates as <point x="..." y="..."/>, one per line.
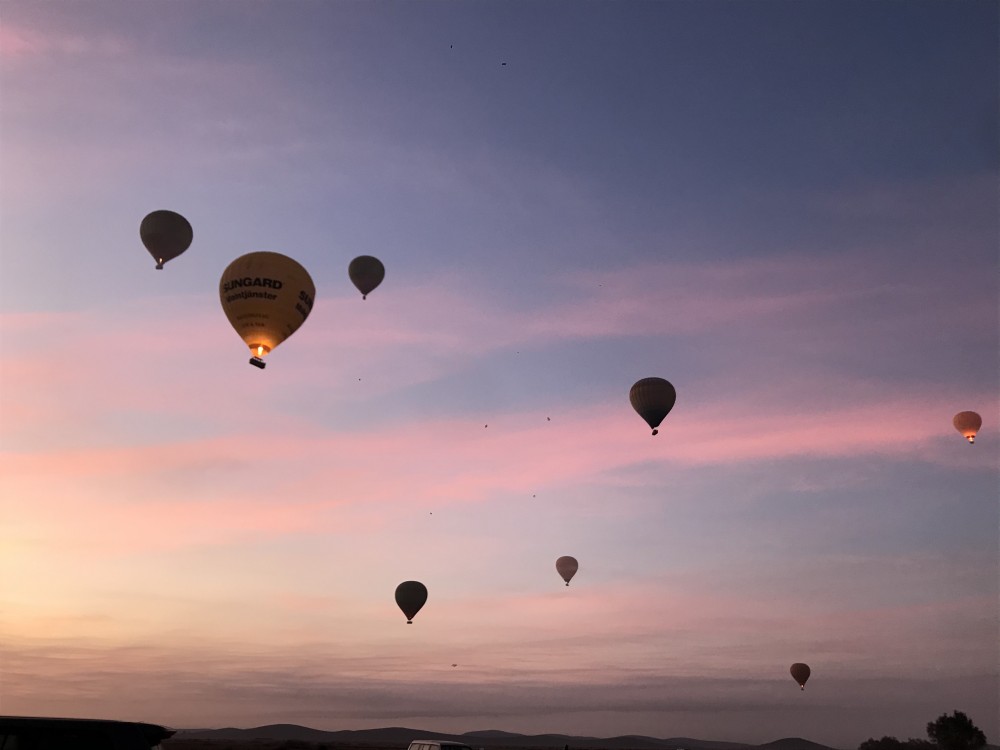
<point x="266" y="297"/>
<point x="166" y="235"/>
<point x="652" y="398"/>
<point x="968" y="423"/>
<point x="800" y="673"/>
<point x="410" y="597"/>
<point x="567" y="567"/>
<point x="366" y="273"/>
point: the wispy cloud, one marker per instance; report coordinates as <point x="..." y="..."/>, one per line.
<point x="790" y="309"/>
<point x="19" y="42"/>
<point x="404" y="463"/>
<point x="252" y="688"/>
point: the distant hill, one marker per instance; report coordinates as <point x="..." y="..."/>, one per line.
<point x="387" y="736"/>
<point x="491" y="739"/>
<point x="792" y="743"/>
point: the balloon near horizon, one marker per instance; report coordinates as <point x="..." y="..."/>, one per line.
<point x="266" y="297"/>
<point x="410" y="597"/>
<point x="968" y="423"/>
<point x="567" y="566"/>
<point x="652" y="398"/>
<point x="800" y="673"/>
<point x="166" y="234"/>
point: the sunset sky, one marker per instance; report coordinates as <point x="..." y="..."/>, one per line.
<point x="787" y="209"/>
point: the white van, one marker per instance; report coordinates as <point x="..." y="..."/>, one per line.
<point x="438" y="745"/>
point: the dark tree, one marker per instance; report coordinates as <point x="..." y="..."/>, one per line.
<point x="955" y="732"/>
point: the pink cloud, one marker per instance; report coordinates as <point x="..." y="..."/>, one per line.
<point x="655" y="299"/>
<point x="363" y="476"/>
<point x="21" y="42"/>
<point x="95" y="118"/>
<point x="440" y="326"/>
<point x="18" y="42"/>
<point x="84" y="432"/>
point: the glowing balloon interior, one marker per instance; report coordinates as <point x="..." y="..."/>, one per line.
<point x="266" y="297"/>
<point x="166" y="235"/>
<point x="800" y="673"/>
<point x="652" y="398"/>
<point x="968" y="423"/>
<point x="567" y="566"/>
<point x="366" y="273"/>
<point x="410" y="597"/>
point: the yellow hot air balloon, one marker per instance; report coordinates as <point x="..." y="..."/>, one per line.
<point x="266" y="297"/>
<point x="166" y="235"/>
<point x="366" y="273"/>
<point x="652" y="398"/>
<point x="567" y="566"/>
<point x="800" y="673"/>
<point x="968" y="423"/>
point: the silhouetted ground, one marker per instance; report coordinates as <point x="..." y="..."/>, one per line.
<point x="186" y="744"/>
<point x="193" y="744"/>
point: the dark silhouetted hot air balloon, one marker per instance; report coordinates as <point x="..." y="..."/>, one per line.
<point x="166" y="235"/>
<point x="411" y="596"/>
<point x="800" y="673"/>
<point x="968" y="423"/>
<point x="266" y="297"/>
<point x="652" y="398"/>
<point x="567" y="567"/>
<point x="366" y="273"/>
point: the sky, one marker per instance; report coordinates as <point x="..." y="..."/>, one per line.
<point x="786" y="209"/>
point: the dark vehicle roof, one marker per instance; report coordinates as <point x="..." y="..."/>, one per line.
<point x="154" y="734"/>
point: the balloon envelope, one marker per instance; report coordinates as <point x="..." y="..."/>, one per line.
<point x="410" y="597"/>
<point x="800" y="673"/>
<point x="266" y="297"/>
<point x="652" y="398"/>
<point x="968" y="423"/>
<point x="366" y="273"/>
<point x="166" y="235"/>
<point x="567" y="567"/>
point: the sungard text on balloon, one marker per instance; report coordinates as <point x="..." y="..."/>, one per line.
<point x="251" y="281"/>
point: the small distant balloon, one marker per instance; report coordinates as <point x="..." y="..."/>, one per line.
<point x="567" y="566"/>
<point x="366" y="273"/>
<point x="968" y="423"/>
<point x="266" y="297"/>
<point x="166" y="234"/>
<point x="410" y="597"/>
<point x="652" y="398"/>
<point x="800" y="673"/>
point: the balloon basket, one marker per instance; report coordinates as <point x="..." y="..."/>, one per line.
<point x="258" y="362"/>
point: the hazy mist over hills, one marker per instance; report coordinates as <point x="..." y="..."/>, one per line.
<point x="488" y="738"/>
